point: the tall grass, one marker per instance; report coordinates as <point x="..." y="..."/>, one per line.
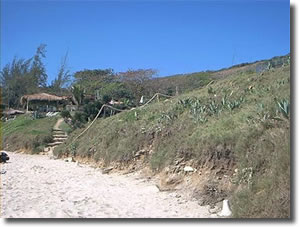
<point x="27" y="133"/>
<point x="241" y="120"/>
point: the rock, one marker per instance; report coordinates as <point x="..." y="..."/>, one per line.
<point x="69" y="159"/>
<point x="77" y="163"/>
<point x="177" y="170"/>
<point x="214" y="210"/>
<point x="46" y="149"/>
<point x="173" y="179"/>
<point x="107" y="170"/>
<point x="139" y="153"/>
<point x="225" y="212"/>
<point x="188" y="169"/>
<point x="178" y="161"/>
<point x="167" y="169"/>
<point x="169" y="182"/>
<point x="4" y="157"/>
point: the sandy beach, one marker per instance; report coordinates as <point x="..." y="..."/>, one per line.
<point x="34" y="186"/>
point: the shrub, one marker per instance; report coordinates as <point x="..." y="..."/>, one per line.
<point x="37" y="150"/>
<point x="106" y="98"/>
<point x="47" y="139"/>
<point x="65" y="114"/>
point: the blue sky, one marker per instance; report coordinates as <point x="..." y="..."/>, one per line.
<point x="170" y="36"/>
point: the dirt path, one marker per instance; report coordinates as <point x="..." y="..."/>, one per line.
<point x="35" y="186"/>
<point x="58" y="123"/>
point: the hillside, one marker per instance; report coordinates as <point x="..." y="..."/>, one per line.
<point x="26" y="133"/>
<point x="191" y="81"/>
<point x="234" y="134"/>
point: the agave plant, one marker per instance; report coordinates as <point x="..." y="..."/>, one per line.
<point x="224" y="101"/>
<point x="231" y="105"/>
<point x="284" y="107"/>
<point x="210" y="90"/>
<point x="186" y="103"/>
<point x="213" y="107"/>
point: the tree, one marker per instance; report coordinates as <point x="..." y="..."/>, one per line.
<point x="136" y="80"/>
<point x="92" y="80"/>
<point x="15" y="81"/>
<point x="38" y="71"/>
<point x="22" y="77"/>
<point x="63" y="77"/>
<point x="116" y="91"/>
<point x="78" y="94"/>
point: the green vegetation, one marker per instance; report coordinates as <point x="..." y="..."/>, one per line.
<point x="65" y="127"/>
<point x="240" y="121"/>
<point x="27" y="133"/>
<point x="233" y="122"/>
<point x="182" y="82"/>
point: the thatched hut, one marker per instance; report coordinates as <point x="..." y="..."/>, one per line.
<point x="45" y="102"/>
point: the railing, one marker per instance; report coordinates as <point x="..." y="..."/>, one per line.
<point x="116" y="109"/>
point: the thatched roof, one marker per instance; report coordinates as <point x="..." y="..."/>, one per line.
<point x="12" y="112"/>
<point x="41" y="97"/>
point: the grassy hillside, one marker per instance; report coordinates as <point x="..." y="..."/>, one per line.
<point x="183" y="82"/>
<point x="236" y="127"/>
<point x="189" y="82"/>
<point x="26" y="133"/>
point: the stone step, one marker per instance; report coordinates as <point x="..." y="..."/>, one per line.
<point x="58" y="131"/>
<point x="54" y="143"/>
<point x="59" y="139"/>
<point x="60" y="136"/>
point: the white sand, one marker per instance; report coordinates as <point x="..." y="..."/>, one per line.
<point x="35" y="186"/>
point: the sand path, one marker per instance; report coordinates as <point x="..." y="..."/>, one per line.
<point x="35" y="186"/>
<point x="58" y="123"/>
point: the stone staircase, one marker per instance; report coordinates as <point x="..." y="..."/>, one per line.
<point x="59" y="136"/>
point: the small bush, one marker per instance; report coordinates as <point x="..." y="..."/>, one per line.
<point x="47" y="139"/>
<point x="37" y="141"/>
<point x="37" y="150"/>
<point x="65" y="114"/>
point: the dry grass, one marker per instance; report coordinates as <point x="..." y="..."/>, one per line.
<point x="255" y="136"/>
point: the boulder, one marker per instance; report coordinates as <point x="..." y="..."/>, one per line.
<point x="188" y="169"/>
